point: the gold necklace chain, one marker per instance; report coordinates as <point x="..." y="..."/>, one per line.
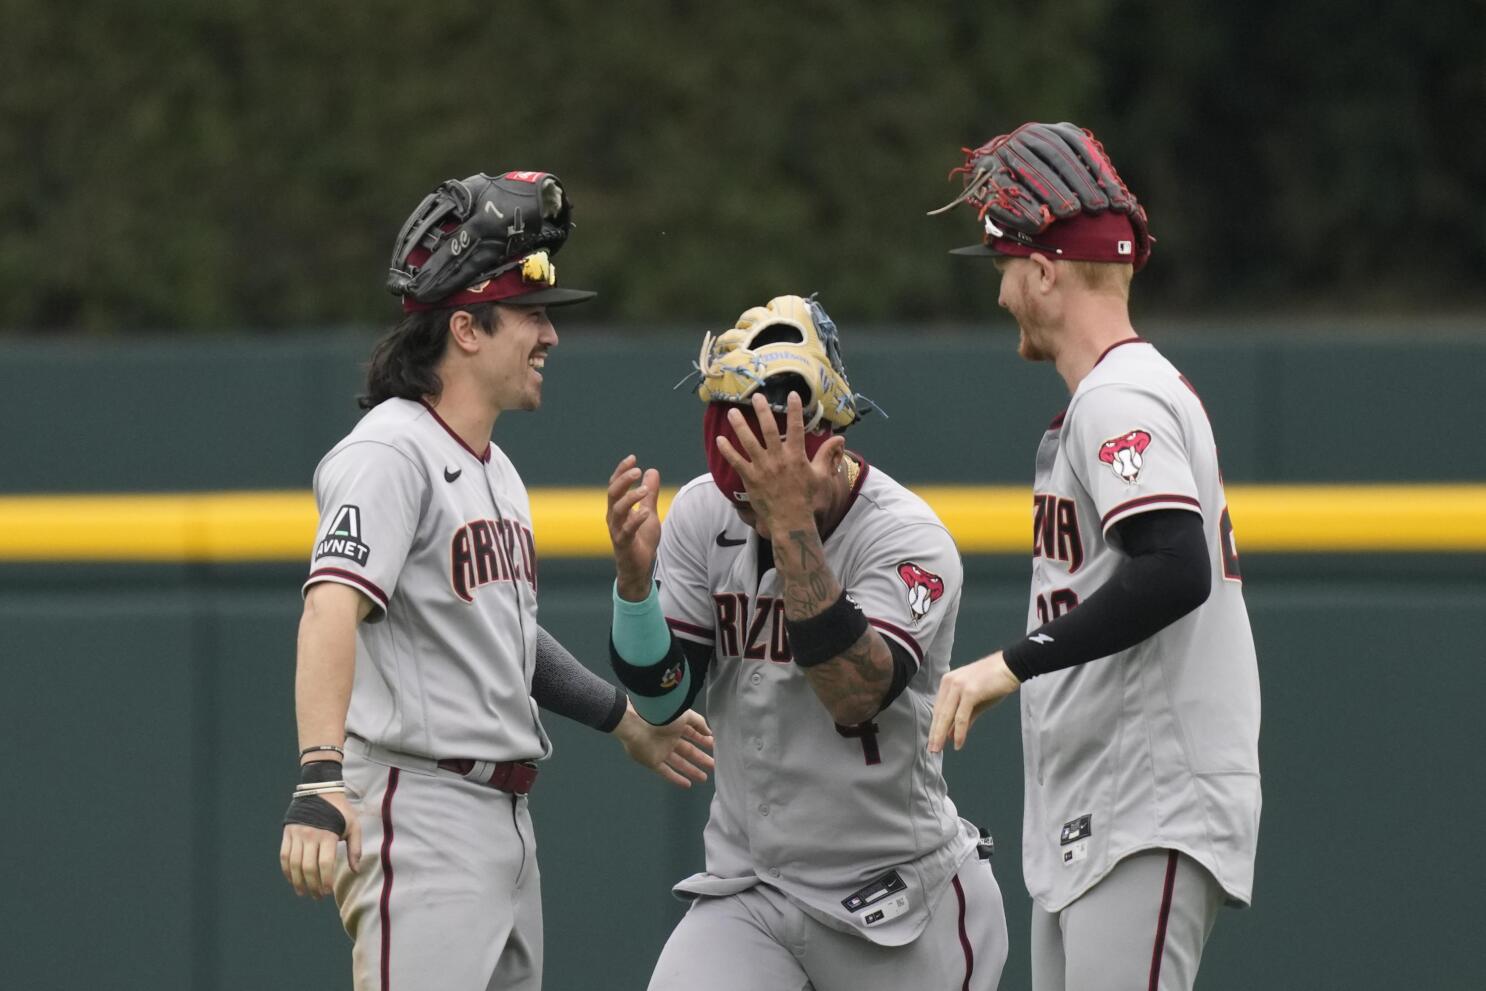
<point x="852" y="471"/>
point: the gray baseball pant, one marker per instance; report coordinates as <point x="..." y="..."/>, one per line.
<point x="758" y="940"/>
<point x="448" y="895"/>
<point x="1142" y="928"/>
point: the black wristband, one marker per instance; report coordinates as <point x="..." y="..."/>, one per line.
<point x="323" y="746"/>
<point x="312" y="810"/>
<point x="320" y="771"/>
<point x="826" y="635"/>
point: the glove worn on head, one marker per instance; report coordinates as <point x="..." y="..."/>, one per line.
<point x="477" y="228"/>
<point x="1042" y="173"/>
<point x="789" y="344"/>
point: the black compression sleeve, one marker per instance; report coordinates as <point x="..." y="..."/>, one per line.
<point x="1166" y="575"/>
<point x="561" y="684"/>
<point x="904" y="668"/>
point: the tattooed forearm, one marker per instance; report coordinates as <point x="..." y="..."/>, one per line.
<point x="808" y="583"/>
<point x="853" y="685"/>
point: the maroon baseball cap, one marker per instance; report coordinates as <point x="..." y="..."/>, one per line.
<point x="715" y="424"/>
<point x="530" y="280"/>
<point x="1085" y="237"/>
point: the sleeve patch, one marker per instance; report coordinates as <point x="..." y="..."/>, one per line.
<point x="1125" y="454"/>
<point x="924" y="588"/>
<point x="673" y="675"/>
<point x="344" y="537"/>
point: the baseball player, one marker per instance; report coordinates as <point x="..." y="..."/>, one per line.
<point x="421" y="665"/>
<point x="1139" y="687"/>
<point x="813" y="599"/>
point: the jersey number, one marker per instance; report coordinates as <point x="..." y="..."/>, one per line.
<point x="1061" y="600"/>
<point x="867" y="733"/>
<point x="1228" y="548"/>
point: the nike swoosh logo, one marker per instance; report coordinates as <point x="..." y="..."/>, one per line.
<point x="450" y="476"/>
<point x="723" y="540"/>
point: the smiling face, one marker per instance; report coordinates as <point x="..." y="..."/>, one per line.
<point x="513" y="357"/>
<point x="1019" y="277"/>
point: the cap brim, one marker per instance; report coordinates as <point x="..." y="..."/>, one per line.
<point x="552" y="296"/>
<point x="975" y="250"/>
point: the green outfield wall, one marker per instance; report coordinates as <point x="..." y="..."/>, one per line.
<point x="147" y="715"/>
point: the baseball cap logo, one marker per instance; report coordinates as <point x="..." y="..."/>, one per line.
<point x="1124" y="248"/>
<point x="537" y="267"/>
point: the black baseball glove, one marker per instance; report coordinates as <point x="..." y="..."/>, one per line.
<point x="475" y="228"/>
<point x="1042" y="173"/>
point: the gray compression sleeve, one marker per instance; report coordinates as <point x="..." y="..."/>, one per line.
<point x="561" y="684"/>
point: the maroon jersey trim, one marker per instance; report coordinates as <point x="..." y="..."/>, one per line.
<point x="385" y="906"/>
<point x="1146" y="501"/>
<point x="902" y="636"/>
<point x="699" y="632"/>
<point x="1128" y="340"/>
<point x="351" y="577"/>
<point x="1057" y="423"/>
<point x="1159" y="950"/>
<point x="440" y="421"/>
<point x="964" y="936"/>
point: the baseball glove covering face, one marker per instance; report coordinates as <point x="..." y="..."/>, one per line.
<point x="1042" y="173"/>
<point x="789" y="344"/>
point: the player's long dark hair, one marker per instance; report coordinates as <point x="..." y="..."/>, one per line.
<point x="404" y="364"/>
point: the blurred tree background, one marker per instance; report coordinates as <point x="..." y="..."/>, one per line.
<point x="244" y="164"/>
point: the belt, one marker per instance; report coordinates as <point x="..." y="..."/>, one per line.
<point x="514" y="776"/>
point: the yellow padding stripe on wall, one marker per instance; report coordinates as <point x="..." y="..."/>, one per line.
<point x="280" y="526"/>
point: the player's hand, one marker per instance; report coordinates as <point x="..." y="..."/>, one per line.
<point x="307" y="854"/>
<point x="783" y="484"/>
<point x="634" y="526"/>
<point x="674" y="751"/>
<point x="964" y="694"/>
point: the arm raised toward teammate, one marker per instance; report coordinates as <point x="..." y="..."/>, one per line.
<point x="662" y="674"/>
<point x="786" y="490"/>
<point x="563" y="684"/>
<point x="634" y="526"/>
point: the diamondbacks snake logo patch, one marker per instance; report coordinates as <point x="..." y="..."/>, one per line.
<point x="1124" y="454"/>
<point x="924" y="588"/>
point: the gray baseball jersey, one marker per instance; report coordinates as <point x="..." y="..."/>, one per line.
<point x="815" y="810"/>
<point x="1156" y="746"/>
<point x="439" y="538"/>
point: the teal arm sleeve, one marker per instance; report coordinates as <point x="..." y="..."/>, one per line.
<point x="640" y="633"/>
<point x="650" y="662"/>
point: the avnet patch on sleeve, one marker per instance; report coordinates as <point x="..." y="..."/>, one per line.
<point x="343" y="539"/>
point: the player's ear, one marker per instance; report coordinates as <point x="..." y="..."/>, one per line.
<point x="1047" y="272"/>
<point x="464" y="331"/>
